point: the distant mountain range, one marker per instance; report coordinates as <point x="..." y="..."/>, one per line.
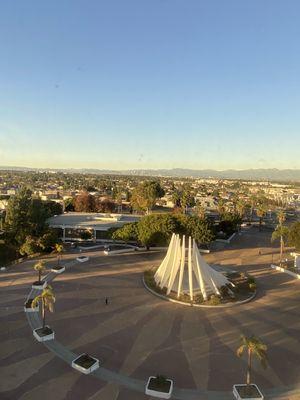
<point x="247" y="174"/>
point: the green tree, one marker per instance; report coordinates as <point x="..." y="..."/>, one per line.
<point x="52" y="208"/>
<point x="294" y="235"/>
<point x="8" y="253"/>
<point x="156" y="229"/>
<point x="261" y="212"/>
<point x="128" y="232"/>
<point x="69" y="204"/>
<point x="221" y="207"/>
<point x="47" y="299"/>
<point x="17" y="219"/>
<point x="37" y="217"/>
<point x="48" y="240"/>
<point x="240" y="208"/>
<point x="30" y="246"/>
<point x="187" y="199"/>
<point x="281" y="232"/>
<point x="200" y="230"/>
<point x="200" y="211"/>
<point x="253" y="347"/>
<point x="229" y="223"/>
<point x="253" y="202"/>
<point x="176" y="198"/>
<point x="145" y="195"/>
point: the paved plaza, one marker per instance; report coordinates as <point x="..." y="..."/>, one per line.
<point x="137" y="334"/>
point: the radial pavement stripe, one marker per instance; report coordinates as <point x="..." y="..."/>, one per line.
<point x="195" y="344"/>
<point x="109" y="392"/>
<point x="150" y="337"/>
<point x="10" y="297"/>
<point x="56" y="388"/>
<point x="13" y="375"/>
<point x="10" y="347"/>
<point x="10" y="310"/>
<point x="97" y="308"/>
<point x="114" y="324"/>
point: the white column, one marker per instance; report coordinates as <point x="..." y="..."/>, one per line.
<point x="182" y="262"/>
<point x="199" y="272"/>
<point x="190" y="268"/>
<point x="176" y="265"/>
<point x="162" y="268"/>
<point x="169" y="265"/>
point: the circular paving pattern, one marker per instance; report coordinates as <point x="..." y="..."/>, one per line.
<point x="137" y="335"/>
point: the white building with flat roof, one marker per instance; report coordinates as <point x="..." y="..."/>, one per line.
<point x="73" y="224"/>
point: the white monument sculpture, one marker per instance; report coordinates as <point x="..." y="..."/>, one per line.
<point x="188" y="273"/>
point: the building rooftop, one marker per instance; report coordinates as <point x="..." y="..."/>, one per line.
<point x="98" y="221"/>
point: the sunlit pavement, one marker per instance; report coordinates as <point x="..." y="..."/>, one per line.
<point x="139" y="335"/>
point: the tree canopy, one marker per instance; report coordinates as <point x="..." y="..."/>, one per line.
<point x="145" y="195"/>
<point x="294" y="235"/>
<point x="157" y="229"/>
<point x="26" y="222"/>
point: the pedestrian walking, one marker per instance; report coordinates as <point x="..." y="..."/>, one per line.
<point x="106" y="300"/>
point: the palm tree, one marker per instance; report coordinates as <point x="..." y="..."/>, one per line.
<point x="39" y="267"/>
<point x="281" y="232"/>
<point x="47" y="298"/>
<point x="254" y="347"/>
<point x="240" y="208"/>
<point x="59" y="248"/>
<point x="261" y="212"/>
<point x="253" y="201"/>
<point x="281" y="217"/>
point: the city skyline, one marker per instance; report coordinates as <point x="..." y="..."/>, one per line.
<point x="203" y="85"/>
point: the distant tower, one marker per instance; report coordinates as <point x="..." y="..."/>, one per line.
<point x="188" y="273"/>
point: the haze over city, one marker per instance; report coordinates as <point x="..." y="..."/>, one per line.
<point x="160" y="84"/>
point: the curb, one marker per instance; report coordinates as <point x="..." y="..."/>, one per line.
<point x="286" y="271"/>
<point x="237" y="303"/>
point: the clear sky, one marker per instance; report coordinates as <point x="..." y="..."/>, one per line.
<point x="150" y="84"/>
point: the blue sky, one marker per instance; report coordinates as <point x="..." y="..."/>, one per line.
<point x="150" y="84"/>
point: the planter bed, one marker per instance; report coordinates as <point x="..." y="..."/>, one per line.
<point x="85" y="363"/>
<point x="39" y="285"/>
<point x="161" y="391"/>
<point x="242" y="392"/>
<point x="28" y="308"/>
<point x="58" y="270"/>
<point x="235" y="295"/>
<point x="119" y="249"/>
<point x="82" y="258"/>
<point x="43" y="334"/>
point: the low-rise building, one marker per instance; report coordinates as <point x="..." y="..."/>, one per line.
<point x="72" y="225"/>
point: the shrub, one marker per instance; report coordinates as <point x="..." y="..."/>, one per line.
<point x="199" y="298"/>
<point x="214" y="300"/>
<point x="30" y="246"/>
<point x="7" y="253"/>
<point x="251" y="280"/>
